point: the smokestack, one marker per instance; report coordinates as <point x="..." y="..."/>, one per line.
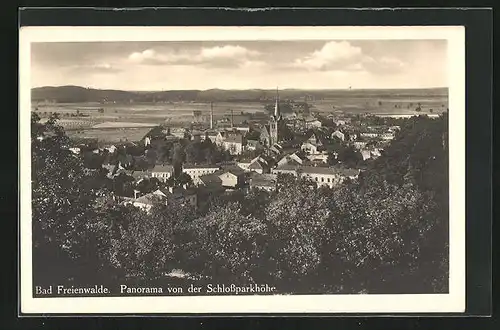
<point x="211" y="115"/>
<point x="232" y="118"/>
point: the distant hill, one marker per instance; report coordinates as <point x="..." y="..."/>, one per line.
<point x="77" y="94"/>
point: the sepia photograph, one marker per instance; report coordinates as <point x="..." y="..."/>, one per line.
<point x="242" y="169"/>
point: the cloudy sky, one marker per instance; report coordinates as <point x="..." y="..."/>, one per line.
<point x="241" y="64"/>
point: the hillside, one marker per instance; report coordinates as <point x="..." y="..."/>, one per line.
<point x="77" y="94"/>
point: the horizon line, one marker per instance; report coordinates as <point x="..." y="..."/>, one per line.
<point x="248" y="89"/>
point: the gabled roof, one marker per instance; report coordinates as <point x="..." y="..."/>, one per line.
<point x="163" y="168"/>
<point x="256" y="165"/>
<point x="263" y="180"/>
<point x="193" y="166"/>
<point x="236" y="170"/>
<point x="211" y="180"/>
<point x="234" y="138"/>
<point x="149" y="199"/>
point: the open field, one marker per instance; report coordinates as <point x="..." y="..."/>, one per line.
<point x="131" y="120"/>
<point x="111" y="135"/>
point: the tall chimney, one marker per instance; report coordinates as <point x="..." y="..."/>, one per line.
<point x="211" y="115"/>
<point x="232" y="119"/>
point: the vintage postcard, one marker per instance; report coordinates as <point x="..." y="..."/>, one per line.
<point x="242" y="169"/>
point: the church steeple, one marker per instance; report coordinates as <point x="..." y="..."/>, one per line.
<point x="277" y="105"/>
<point x="275" y="122"/>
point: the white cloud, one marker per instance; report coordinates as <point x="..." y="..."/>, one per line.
<point x="343" y="56"/>
<point x="333" y="55"/>
<point x="219" y="56"/>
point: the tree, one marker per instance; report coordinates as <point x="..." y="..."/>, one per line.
<point x="229" y="246"/>
<point x="69" y="229"/>
<point x="178" y="155"/>
<point x="295" y="220"/>
<point x="194" y="153"/>
<point x="183" y="179"/>
<point x="349" y="156"/>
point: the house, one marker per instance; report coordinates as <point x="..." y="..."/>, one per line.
<point x="162" y="172"/>
<point x="178" y="195"/>
<point x="75" y="150"/>
<point x="233" y="142"/>
<point x="210" y="182"/>
<point x="286" y="169"/>
<point x="146" y="202"/>
<point x="315" y="123"/>
<point x="111" y="149"/>
<point x="322" y="176"/>
<point x="369" y="134"/>
<point x="387" y="136"/>
<point x="179" y="133"/>
<point x="276" y="149"/>
<point x="140" y="175"/>
<point x="232" y="177"/>
<point x="244" y="163"/>
<point x="210" y="134"/>
<point x="375" y="153"/>
<point x="195" y="171"/>
<point x="366" y="154"/>
<point x="394" y="129"/>
<point x="242" y="129"/>
<point x="258" y="166"/>
<point x="327" y="176"/>
<point x="313" y="145"/>
<point x="263" y="181"/>
<point x="253" y="145"/>
<point x="291" y="159"/>
<point x="322" y="158"/>
<point x="339" y="135"/>
<point x="219" y="139"/>
<point x="359" y="144"/>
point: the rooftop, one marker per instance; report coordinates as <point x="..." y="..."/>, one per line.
<point x="163" y="168"/>
<point x="193" y="166"/>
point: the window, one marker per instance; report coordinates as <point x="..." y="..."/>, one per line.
<point x="328" y="179"/>
<point x="322" y="179"/>
<point x="316" y="178"/>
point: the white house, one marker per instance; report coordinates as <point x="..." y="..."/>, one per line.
<point x="339" y="135"/>
<point x="195" y="171"/>
<point x="359" y="144"/>
<point x="162" y="172"/>
<point x="313" y="145"/>
<point x="369" y="134"/>
<point x="313" y="124"/>
<point x="322" y="176"/>
<point x="233" y="142"/>
<point x="232" y="177"/>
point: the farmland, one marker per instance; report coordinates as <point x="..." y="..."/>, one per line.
<point x="114" y="120"/>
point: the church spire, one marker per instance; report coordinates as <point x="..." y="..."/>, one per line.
<point x="277" y="105"/>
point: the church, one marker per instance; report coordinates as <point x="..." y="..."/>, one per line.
<point x="272" y="133"/>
